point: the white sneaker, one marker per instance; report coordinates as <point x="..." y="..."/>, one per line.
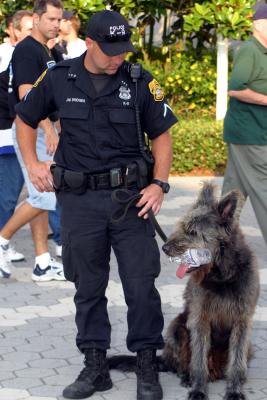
<point x="4" y="262"/>
<point x="58" y="250"/>
<point x="54" y="271"/>
<point x="14" y="255"/>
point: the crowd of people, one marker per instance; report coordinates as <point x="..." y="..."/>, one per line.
<point x="18" y="72"/>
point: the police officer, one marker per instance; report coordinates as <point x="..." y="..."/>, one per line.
<point x="98" y="152"/>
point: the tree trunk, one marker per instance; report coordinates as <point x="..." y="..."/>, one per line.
<point x="151" y="36"/>
<point x="222" y="77"/>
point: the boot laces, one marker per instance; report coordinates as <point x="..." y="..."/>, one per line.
<point x="147" y="367"/>
<point x="94" y="362"/>
<point x="85" y="373"/>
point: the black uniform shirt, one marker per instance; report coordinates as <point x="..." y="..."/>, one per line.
<point x="98" y="130"/>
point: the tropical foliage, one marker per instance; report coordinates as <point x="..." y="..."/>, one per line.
<point x="184" y="60"/>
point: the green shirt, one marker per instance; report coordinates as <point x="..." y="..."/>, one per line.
<point x="246" y="123"/>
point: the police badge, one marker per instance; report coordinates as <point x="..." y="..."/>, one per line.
<point x="125" y="93"/>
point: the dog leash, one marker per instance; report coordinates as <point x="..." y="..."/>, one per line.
<point x="127" y="198"/>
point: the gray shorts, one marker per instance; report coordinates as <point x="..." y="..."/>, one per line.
<point x="42" y="200"/>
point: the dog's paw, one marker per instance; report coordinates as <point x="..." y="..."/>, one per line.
<point x="234" y="396"/>
<point x="197" y="395"/>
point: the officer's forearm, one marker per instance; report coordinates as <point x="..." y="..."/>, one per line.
<point x="26" y="138"/>
<point x="162" y="152"/>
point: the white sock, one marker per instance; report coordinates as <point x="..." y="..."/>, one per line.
<point x="3" y="241"/>
<point x="43" y="260"/>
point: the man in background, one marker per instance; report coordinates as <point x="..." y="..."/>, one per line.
<point x="7" y="47"/>
<point x="11" y="178"/>
<point x="245" y="125"/>
<point x="68" y="35"/>
<point x="30" y="59"/>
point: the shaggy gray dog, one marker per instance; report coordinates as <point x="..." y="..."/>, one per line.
<point x="211" y="338"/>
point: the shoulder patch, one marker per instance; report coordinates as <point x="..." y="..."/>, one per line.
<point x="41" y="77"/>
<point x="156" y="90"/>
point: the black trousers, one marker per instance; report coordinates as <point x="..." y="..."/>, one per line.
<point x="87" y="237"/>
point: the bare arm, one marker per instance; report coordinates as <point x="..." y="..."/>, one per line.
<point x="51" y="136"/>
<point x="39" y="171"/>
<point x="152" y="194"/>
<point x="249" y="96"/>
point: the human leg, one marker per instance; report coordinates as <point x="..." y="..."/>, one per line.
<point x="232" y="176"/>
<point x="251" y="162"/>
<point x="37" y="204"/>
<point x="39" y="228"/>
<point x="86" y="253"/>
<point x="54" y="222"/>
<point x="11" y="182"/>
<point x="138" y="258"/>
<point x="23" y="214"/>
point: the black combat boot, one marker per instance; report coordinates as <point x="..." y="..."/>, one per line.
<point x="93" y="378"/>
<point x="148" y="386"/>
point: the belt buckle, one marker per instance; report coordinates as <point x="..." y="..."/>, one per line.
<point x="115" y="177"/>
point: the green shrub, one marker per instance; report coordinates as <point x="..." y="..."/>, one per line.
<point x="198" y="146"/>
<point x="189" y="81"/>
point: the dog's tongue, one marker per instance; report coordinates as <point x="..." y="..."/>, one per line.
<point x="182" y="269"/>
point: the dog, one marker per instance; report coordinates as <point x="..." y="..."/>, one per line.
<point x="210" y="339"/>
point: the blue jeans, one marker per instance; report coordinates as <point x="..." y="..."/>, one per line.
<point x="11" y="183"/>
<point x="54" y="222"/>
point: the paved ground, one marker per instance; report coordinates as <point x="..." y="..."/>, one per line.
<point x="38" y="356"/>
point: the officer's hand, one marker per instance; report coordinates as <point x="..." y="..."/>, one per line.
<point x="152" y="198"/>
<point x="40" y="176"/>
<point x="51" y="140"/>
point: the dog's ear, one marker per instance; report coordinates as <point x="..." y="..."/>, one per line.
<point x="206" y="196"/>
<point x="230" y="205"/>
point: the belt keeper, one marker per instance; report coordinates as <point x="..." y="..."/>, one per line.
<point x="92" y="182"/>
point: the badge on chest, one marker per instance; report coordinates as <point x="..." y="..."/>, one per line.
<point x="125" y="93"/>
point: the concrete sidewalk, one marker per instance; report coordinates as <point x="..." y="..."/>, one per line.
<point x="38" y="357"/>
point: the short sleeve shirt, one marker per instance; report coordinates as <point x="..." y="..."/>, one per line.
<point x="98" y="129"/>
<point x="29" y="60"/>
<point x="246" y="123"/>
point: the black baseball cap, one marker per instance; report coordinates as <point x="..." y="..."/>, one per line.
<point x="261" y="12"/>
<point x="111" y="31"/>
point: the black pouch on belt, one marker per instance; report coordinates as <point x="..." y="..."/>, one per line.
<point x="58" y="174"/>
<point x="76" y="181"/>
<point x="142" y="173"/>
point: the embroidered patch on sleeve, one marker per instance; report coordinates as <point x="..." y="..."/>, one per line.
<point x="41" y="77"/>
<point x="156" y="90"/>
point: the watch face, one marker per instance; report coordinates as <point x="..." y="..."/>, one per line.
<point x="165" y="187"/>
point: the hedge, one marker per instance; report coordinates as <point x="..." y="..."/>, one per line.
<point x="198" y="146"/>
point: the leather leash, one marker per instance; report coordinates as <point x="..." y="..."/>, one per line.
<point x="127" y="198"/>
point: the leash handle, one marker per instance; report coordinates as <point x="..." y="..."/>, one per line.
<point x="126" y="198"/>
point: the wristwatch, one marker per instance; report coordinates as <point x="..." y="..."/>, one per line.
<point x="164" y="185"/>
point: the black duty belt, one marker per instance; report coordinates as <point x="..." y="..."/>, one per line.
<point x="133" y="174"/>
<point x="79" y="182"/>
